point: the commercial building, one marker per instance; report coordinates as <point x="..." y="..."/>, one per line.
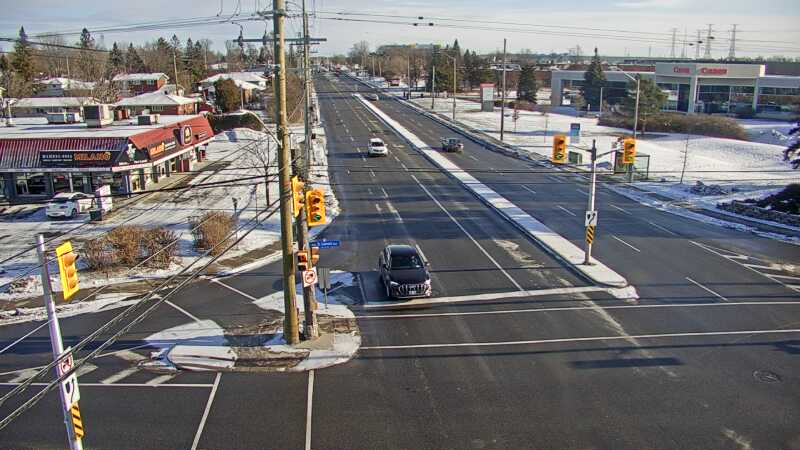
<point x="697" y="88"/>
<point x="38" y="160"/>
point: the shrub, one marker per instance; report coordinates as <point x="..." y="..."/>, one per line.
<point x="160" y="245"/>
<point x="220" y="123"/>
<point x="713" y="126"/>
<point x="126" y="240"/>
<point x="787" y="200"/>
<point x="128" y="245"/>
<point x="99" y="254"/>
<point x="211" y="230"/>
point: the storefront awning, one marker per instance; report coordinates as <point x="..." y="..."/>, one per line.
<point x="25" y="153"/>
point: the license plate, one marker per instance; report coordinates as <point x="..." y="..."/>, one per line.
<point x="412" y="291"/>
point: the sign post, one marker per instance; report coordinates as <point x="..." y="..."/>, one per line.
<point x="69" y="391"/>
<point x="324" y="274"/>
<point x="591" y="214"/>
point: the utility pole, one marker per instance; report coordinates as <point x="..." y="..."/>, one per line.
<point x="408" y="70"/>
<point x="290" y="327"/>
<point x="601" y="102"/>
<point x="455" y="86"/>
<point x="433" y="86"/>
<point x="591" y="214"/>
<point x="707" y="54"/>
<point x="56" y="344"/>
<point x="672" y="49"/>
<point x="732" y="50"/>
<point x="309" y="293"/>
<point x="503" y="97"/>
<point x="697" y="45"/>
<point x="175" y="68"/>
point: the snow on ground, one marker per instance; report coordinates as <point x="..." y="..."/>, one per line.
<point x="233" y="149"/>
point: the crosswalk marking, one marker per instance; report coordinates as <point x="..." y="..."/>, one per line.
<point x="757" y="268"/>
<point x="161" y="379"/>
<point x="122" y="374"/>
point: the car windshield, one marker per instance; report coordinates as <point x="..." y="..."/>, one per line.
<point x="59" y="200"/>
<point x="406" y="262"/>
<point x="376" y="144"/>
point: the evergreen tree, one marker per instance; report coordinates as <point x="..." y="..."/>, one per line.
<point x="651" y="100"/>
<point x="116" y="62"/>
<point x="792" y="152"/>
<point x="89" y="66"/>
<point x="5" y="72"/>
<point x="22" y="67"/>
<point x="227" y="95"/>
<point x="594" y="79"/>
<point x="527" y="86"/>
<point x="133" y="62"/>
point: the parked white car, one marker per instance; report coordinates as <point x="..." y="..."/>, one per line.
<point x="377" y="147"/>
<point x="68" y="204"/>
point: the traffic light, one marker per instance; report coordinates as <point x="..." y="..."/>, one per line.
<point x="302" y="260"/>
<point x="297" y="195"/>
<point x="315" y="207"/>
<point x="67" y="269"/>
<point x="559" y="149"/>
<point x="629" y="151"/>
<point x="314" y="255"/>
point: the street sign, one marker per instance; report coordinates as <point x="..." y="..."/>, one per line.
<point x="69" y="387"/>
<point x="575" y="133"/>
<point x="591" y="219"/>
<point x="310" y="277"/>
<point x="324" y="277"/>
<point x="325" y="243"/>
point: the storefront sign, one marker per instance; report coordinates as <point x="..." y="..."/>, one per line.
<point x="682" y="70"/>
<point x="75" y="159"/>
<point x="56" y="159"/>
<point x="169" y="145"/>
<point x="156" y="150"/>
<point x="711" y="70"/>
<point x="186" y="135"/>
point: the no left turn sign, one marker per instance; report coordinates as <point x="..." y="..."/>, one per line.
<point x="310" y="277"/>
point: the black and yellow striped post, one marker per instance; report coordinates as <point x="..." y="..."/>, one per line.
<point x="590" y="234"/>
<point x="77" y="423"/>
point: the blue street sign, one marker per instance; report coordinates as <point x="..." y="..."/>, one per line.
<point x="325" y="244"/>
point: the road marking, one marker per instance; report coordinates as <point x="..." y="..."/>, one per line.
<point x="706" y="289"/>
<point x="667" y="230"/>
<point x="394" y="212"/>
<point x="468" y="234"/>
<point x="571" y="308"/>
<point x="372" y="173"/>
<point x="205" y="413"/>
<point x="581" y="191"/>
<point x="395" y="156"/>
<point x="787" y="277"/>
<point x="122" y="374"/>
<point x="553" y="178"/>
<point x="158" y="380"/>
<point x="527" y="189"/>
<point x="187" y="313"/>
<point x="385" y="195"/>
<point x="584" y="339"/>
<point x="629" y="245"/>
<point x="123" y="385"/>
<point x="472" y="157"/>
<point x="243" y="294"/>
<point x="309" y="404"/>
<point x="403" y="165"/>
<point x="487" y="296"/>
<point x="363" y="159"/>
<point x="620" y="209"/>
<point x="566" y="210"/>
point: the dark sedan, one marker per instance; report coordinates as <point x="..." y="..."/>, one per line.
<point x="404" y="272"/>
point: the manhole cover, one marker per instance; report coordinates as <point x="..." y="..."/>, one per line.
<point x="766" y="376"/>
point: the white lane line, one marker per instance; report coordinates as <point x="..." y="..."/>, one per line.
<point x="553" y="178"/>
<point x="243" y="294"/>
<point x="527" y="189"/>
<point x="158" y="380"/>
<point x="352" y="139"/>
<point x="570" y="308"/>
<point x="363" y="159"/>
<point x="187" y="313"/>
<point x="394" y="212"/>
<point x="385" y="194"/>
<point x="395" y="157"/>
<point x="784" y="277"/>
<point x="309" y="404"/>
<point x="585" y="339"/>
<point x="566" y="210"/>
<point x="468" y="235"/>
<point x="473" y="158"/>
<point x="123" y="385"/>
<point x="205" y="413"/>
<point x="484" y="297"/>
<point x="403" y="165"/>
<point x="620" y="209"/>
<point x="372" y="173"/>
<point x="629" y="245"/>
<point x="756" y="267"/>
<point x="706" y="289"/>
<point x="125" y="373"/>
<point x="666" y="230"/>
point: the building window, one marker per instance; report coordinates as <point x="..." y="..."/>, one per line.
<point x="155" y="108"/>
<point x="31" y="184"/>
<point x="151" y="82"/>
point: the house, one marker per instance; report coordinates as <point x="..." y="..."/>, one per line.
<point x="64" y="87"/>
<point x="41" y="106"/>
<point x="173" y="89"/>
<point x="249" y="77"/>
<point x="159" y="103"/>
<point x="139" y="83"/>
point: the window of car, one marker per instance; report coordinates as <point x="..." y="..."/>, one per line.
<point x="406" y="262"/>
<point x="376" y="144"/>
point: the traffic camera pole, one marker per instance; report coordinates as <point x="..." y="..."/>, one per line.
<point x="590" y="208"/>
<point x="56" y="343"/>
<point x="290" y="328"/>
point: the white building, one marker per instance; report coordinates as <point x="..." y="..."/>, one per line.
<point x="60" y="87"/>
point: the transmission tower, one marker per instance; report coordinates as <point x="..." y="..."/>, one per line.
<point x="697" y="45"/>
<point x="672" y="50"/>
<point x="683" y="47"/>
<point x="732" y="50"/>
<point x="707" y="54"/>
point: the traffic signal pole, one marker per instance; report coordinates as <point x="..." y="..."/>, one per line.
<point x="590" y="211"/>
<point x="57" y="345"/>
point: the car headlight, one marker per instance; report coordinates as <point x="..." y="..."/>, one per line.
<point x="394" y="284"/>
<point x="428" y="282"/>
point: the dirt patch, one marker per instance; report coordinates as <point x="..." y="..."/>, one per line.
<point x="245" y="258"/>
<point x="262" y="358"/>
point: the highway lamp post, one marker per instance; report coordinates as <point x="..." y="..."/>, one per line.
<point x="503" y="100"/>
<point x="591" y="213"/>
<point x="433" y="87"/>
<point x="455" y="85"/>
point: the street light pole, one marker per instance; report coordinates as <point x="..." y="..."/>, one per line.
<point x="455" y="85"/>
<point x="638" y="80"/>
<point x="503" y="101"/>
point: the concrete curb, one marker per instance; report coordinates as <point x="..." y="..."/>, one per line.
<point x="555" y="244"/>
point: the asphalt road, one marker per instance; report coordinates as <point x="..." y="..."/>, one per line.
<point x="517" y="366"/>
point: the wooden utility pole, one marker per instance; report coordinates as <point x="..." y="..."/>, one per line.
<point x="291" y="326"/>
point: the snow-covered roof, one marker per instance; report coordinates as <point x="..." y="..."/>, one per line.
<point x="249" y="77"/>
<point x="140" y="76"/>
<point x="68" y="83"/>
<point x="53" y="102"/>
<point x="155" y="98"/>
<point x="37" y="127"/>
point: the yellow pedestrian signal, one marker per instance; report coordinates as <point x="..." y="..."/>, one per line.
<point x="315" y="207"/>
<point x="302" y="260"/>
<point x="297" y="195"/>
<point x="67" y="269"/>
<point x="629" y="151"/>
<point x="559" y="149"/>
<point x="314" y="255"/>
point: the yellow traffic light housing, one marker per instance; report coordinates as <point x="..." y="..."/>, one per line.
<point x="302" y="260"/>
<point x="559" y="149"/>
<point x="297" y="195"/>
<point x="314" y="255"/>
<point x="67" y="269"/>
<point x="629" y="151"/>
<point x="315" y="207"/>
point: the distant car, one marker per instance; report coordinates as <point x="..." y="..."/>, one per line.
<point x="377" y="147"/>
<point x="68" y="204"/>
<point x="452" y="145"/>
<point x="373" y="97"/>
<point x="404" y="272"/>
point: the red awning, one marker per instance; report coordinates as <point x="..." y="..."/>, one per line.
<point x="23" y="153"/>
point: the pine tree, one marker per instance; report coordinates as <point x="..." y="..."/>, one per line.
<point x="116" y="62"/>
<point x="527" y="86"/>
<point x="651" y="100"/>
<point x="5" y="72"/>
<point x="594" y="79"/>
<point x="227" y="95"/>
<point x="133" y="62"/>
<point x="22" y="67"/>
<point x="89" y="67"/>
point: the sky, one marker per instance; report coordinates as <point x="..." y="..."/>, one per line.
<point x="616" y="27"/>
